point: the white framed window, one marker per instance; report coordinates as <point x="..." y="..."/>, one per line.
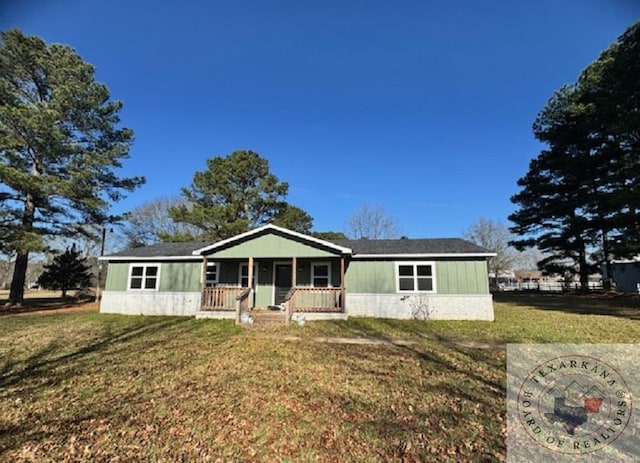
<point x="144" y="277"/>
<point x="243" y="275"/>
<point x="321" y="275"/>
<point x="415" y="277"/>
<point x="212" y="274"/>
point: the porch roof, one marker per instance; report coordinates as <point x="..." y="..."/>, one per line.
<point x="270" y="229"/>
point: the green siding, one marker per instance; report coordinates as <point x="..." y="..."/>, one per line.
<point x="375" y="277"/>
<point x="180" y="276"/>
<point x="228" y="273"/>
<point x="462" y="277"/>
<point x="304" y="271"/>
<point x="174" y="276"/>
<point x="117" y="274"/>
<point x="452" y="277"/>
<point x="269" y="246"/>
<point x="264" y="291"/>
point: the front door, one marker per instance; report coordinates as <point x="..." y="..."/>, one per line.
<point x="282" y="283"/>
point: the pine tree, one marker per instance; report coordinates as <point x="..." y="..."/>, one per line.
<point x="60" y="144"/>
<point x="582" y="193"/>
<point x="68" y="270"/>
<point x="236" y="193"/>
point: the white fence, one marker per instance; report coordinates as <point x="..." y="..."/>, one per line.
<point x="555" y="286"/>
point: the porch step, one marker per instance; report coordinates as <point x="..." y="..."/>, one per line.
<point x="263" y="317"/>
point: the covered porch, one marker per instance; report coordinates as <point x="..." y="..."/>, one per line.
<point x="272" y="268"/>
<point x="294" y="285"/>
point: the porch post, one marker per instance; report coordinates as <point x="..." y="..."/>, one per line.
<point x="294" y="282"/>
<point x="342" y="292"/>
<point x="294" y="272"/>
<point x="204" y="282"/>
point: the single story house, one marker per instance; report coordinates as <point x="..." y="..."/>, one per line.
<point x="273" y="267"/>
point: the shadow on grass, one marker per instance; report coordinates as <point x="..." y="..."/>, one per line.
<point x="41" y="304"/>
<point x="435" y="354"/>
<point x="469" y="391"/>
<point x="59" y="368"/>
<point x="615" y="305"/>
<point x="41" y="363"/>
<point x="13" y="437"/>
<point x="450" y="427"/>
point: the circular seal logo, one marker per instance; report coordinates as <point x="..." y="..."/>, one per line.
<point x="574" y="404"/>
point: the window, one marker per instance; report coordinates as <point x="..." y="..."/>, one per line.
<point x="244" y="276"/>
<point x="212" y="274"/>
<point x="415" y="277"/>
<point x="321" y="275"/>
<point x="144" y="277"/>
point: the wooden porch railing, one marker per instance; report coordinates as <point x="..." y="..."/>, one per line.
<point x="221" y="297"/>
<point x="308" y="299"/>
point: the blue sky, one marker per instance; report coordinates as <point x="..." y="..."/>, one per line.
<point x="424" y="107"/>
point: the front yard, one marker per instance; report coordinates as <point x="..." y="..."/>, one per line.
<point x="81" y="386"/>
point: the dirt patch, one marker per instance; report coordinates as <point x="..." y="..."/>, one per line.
<point x="384" y="342"/>
<point x="478" y="345"/>
<point x="61" y="307"/>
<point x="343" y="340"/>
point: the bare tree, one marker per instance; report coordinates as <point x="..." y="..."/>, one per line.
<point x="6" y="270"/>
<point x="495" y="237"/>
<point x="529" y="258"/>
<point x="33" y="272"/>
<point x="151" y="223"/>
<point x="34" y="269"/>
<point x="87" y="240"/>
<point x="372" y="222"/>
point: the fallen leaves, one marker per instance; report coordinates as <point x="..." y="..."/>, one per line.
<point x="164" y="390"/>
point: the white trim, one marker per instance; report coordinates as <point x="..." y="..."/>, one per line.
<point x="434" y="288"/>
<point x="317" y="264"/>
<point x="286" y="231"/>
<point x="417" y="256"/>
<point x="144" y="277"/>
<point x="634" y="260"/>
<point x="147" y="259"/>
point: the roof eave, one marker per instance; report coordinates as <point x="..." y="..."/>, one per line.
<point x="139" y="258"/>
<point x="424" y="255"/>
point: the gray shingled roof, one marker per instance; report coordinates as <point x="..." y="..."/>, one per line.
<point x="412" y="246"/>
<point x="380" y="247"/>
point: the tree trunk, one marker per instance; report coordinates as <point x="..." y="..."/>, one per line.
<point x="16" y="295"/>
<point x="584" y="269"/>
<point x="608" y="282"/>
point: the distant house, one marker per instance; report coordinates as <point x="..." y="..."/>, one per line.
<point x="273" y="267"/>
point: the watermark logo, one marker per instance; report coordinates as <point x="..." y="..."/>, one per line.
<point x="564" y="401"/>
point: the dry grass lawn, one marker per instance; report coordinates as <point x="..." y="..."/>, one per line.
<point x="86" y="387"/>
